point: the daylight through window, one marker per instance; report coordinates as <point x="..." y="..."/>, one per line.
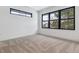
<point x="61" y="19"/>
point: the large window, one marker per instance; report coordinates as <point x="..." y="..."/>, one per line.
<point x="19" y="12"/>
<point x="61" y="19"/>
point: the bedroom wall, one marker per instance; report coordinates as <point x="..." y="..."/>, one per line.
<point x="12" y="26"/>
<point x="66" y="34"/>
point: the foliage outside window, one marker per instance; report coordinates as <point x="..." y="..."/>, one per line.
<point x="54" y="19"/>
<point x="67" y="18"/>
<point x="45" y="20"/>
<point x="61" y="19"/>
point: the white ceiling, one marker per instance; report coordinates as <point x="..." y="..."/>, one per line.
<point x="38" y="7"/>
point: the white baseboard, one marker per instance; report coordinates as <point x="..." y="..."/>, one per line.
<point x="16" y="36"/>
<point x="59" y="38"/>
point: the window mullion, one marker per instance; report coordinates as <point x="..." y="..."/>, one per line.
<point x="59" y="22"/>
<point x="74" y="17"/>
<point x="49" y="20"/>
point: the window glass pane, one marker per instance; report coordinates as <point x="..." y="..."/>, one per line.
<point x="54" y="16"/>
<point x="54" y="24"/>
<point x="67" y="24"/>
<point x="45" y="24"/>
<point x="64" y="14"/>
<point x="68" y="13"/>
<point x="19" y="12"/>
<point x="71" y="13"/>
<point x="45" y="17"/>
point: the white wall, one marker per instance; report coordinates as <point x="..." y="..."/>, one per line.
<point x="67" y="34"/>
<point x="12" y="26"/>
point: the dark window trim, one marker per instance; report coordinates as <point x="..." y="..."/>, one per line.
<point x="59" y="20"/>
<point x="58" y="10"/>
<point x="12" y="9"/>
<point x="45" y="20"/>
<point x="67" y="8"/>
<point x="69" y="18"/>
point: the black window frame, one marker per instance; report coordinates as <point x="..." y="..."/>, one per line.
<point x="68" y="18"/>
<point x="59" y="20"/>
<point x="45" y="20"/>
<point x="12" y="9"/>
<point x="53" y="20"/>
